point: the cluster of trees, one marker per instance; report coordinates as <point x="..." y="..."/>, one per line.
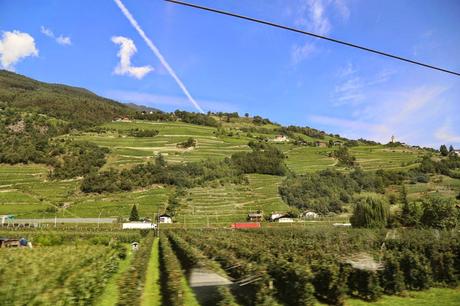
<point x="184" y="116"/>
<point x="328" y="190"/>
<point x="344" y="157"/>
<point x="257" y="120"/>
<point x="265" y="160"/>
<point x="26" y="137"/>
<point x="142" y="133"/>
<point x="307" y="131"/>
<point x="196" y="118"/>
<point x="430" y="212"/>
<point x="325" y="191"/>
<point x="79" y="159"/>
<point x="190" y="142"/>
<point x="160" y="172"/>
<point x="445" y="152"/>
<point x="445" y="166"/>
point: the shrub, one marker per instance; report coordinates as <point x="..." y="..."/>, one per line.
<point x="364" y="284"/>
<point x="439" y="213"/>
<point x="370" y="212"/>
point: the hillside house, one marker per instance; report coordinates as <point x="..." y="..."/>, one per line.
<point x="165" y="218"/>
<point x="321" y="144"/>
<point x="276" y="215"/>
<point x="255" y="216"/>
<point x="338" y="143"/>
<point x="280" y="138"/>
<point x="310" y="215"/>
<point x="5" y="219"/>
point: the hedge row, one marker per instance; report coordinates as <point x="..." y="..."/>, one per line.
<point x="131" y="284"/>
<point x="255" y="284"/>
<point x="190" y="257"/>
<point x="316" y="267"/>
<point x="67" y="275"/>
<point x="170" y="275"/>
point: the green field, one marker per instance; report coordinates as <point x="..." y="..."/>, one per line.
<point x="431" y="297"/>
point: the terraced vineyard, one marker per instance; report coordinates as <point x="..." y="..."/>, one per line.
<point x="126" y="150"/>
<point x="26" y="190"/>
<point x="28" y="193"/>
<point x="379" y="157"/>
<point x="222" y="205"/>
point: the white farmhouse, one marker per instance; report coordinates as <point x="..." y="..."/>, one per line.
<point x="285" y="220"/>
<point x="165" y="218"/>
<point x="310" y="215"/>
<point x="280" y="138"/>
<point x="275" y="216"/>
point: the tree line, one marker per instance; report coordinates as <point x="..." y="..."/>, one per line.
<point x="266" y="161"/>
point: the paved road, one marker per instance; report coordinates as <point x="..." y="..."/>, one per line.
<point x="66" y="220"/>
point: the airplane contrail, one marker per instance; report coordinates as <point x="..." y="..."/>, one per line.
<point x="157" y="53"/>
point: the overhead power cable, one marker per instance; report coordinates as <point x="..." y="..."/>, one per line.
<point x="311" y="34"/>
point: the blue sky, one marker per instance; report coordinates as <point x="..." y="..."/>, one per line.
<point x="233" y="65"/>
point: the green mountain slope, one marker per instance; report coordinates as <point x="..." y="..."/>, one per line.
<point x="114" y="153"/>
<point x="77" y="105"/>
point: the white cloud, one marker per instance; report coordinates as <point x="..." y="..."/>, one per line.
<point x="61" y="39"/>
<point x="313" y="16"/>
<point x="47" y="31"/>
<point x="352" y="88"/>
<point x="15" y="46"/>
<point x="346" y="71"/>
<point x="128" y="49"/>
<point x="320" y="23"/>
<point x="342" y="7"/>
<point x="446" y="135"/>
<point x="300" y="53"/>
<point x="410" y="114"/>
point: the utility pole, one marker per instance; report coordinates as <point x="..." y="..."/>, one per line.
<point x="99" y="218"/>
<point x="158" y="222"/>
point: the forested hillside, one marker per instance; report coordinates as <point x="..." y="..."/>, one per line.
<point x="76" y="105"/>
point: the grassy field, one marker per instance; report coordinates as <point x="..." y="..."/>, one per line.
<point x="151" y="295"/>
<point x="431" y="297"/>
